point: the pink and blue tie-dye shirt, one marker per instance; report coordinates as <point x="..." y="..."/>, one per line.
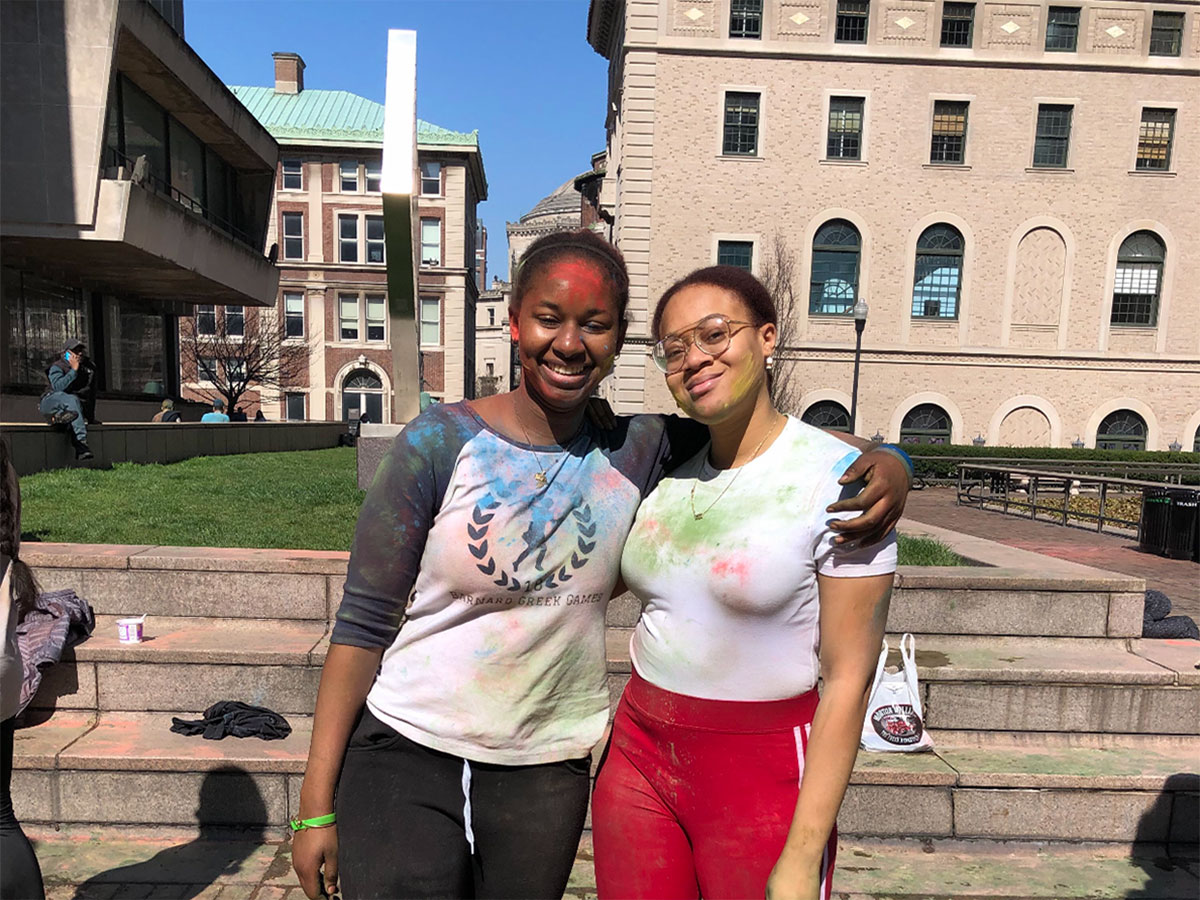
<point x="501" y="655"/>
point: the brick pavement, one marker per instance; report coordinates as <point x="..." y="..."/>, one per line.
<point x="1178" y="579"/>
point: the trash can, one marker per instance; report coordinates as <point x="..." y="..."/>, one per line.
<point x="1182" y="524"/>
<point x="1152" y="531"/>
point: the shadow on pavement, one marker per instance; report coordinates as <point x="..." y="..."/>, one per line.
<point x="229" y="798"/>
<point x="1168" y="878"/>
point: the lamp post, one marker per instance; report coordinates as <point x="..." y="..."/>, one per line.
<point x="860" y="322"/>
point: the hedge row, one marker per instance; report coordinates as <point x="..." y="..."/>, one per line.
<point x="948" y="468"/>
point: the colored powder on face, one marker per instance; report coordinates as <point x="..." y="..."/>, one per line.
<point x="585" y="282"/>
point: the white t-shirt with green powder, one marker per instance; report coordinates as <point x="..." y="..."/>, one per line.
<point x="730" y="609"/>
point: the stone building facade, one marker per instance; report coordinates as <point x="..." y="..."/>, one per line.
<point x="1010" y="186"/>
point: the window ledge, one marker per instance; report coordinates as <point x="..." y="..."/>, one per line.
<point x="741" y="157"/>
<point x="1151" y="173"/>
<point x="947" y="167"/>
<point x="1050" y="170"/>
<point x="1134" y="329"/>
<point x="846" y="317"/>
<point x="858" y="163"/>
<point x="936" y="321"/>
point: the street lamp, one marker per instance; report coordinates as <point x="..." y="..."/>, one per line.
<point x="859" y="311"/>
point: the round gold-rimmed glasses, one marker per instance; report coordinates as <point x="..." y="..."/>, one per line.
<point x="711" y="334"/>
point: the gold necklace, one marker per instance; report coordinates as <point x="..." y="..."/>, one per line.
<point x="540" y="479"/>
<point x="753" y="456"/>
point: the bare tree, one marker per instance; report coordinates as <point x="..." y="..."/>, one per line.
<point x="779" y="276"/>
<point x="236" y="352"/>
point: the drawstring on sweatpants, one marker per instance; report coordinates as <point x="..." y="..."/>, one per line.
<point x="466" y="787"/>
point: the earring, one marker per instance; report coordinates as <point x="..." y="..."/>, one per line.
<point x="770" y="362"/>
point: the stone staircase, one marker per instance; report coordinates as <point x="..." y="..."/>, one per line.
<point x="1054" y="724"/>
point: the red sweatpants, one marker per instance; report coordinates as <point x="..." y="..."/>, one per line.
<point x="695" y="797"/>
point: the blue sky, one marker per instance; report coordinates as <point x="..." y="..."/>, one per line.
<point x="520" y="71"/>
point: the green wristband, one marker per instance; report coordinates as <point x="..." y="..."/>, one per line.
<point x="315" y="822"/>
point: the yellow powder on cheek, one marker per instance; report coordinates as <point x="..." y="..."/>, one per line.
<point x="745" y="383"/>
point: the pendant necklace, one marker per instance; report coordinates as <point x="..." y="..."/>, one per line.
<point x="540" y="478"/>
<point x="753" y="456"/>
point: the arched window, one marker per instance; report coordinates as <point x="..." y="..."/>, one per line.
<point x="1138" y="282"/>
<point x="827" y="414"/>
<point x="937" y="280"/>
<point x="927" y="423"/>
<point x="836" y="248"/>
<point x="1196" y="441"/>
<point x="1121" y="430"/>
<point x="362" y="393"/>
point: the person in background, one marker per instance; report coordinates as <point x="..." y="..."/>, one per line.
<point x="167" y="413"/>
<point x="259" y="417"/>
<point x="238" y="415"/>
<point x="20" y="875"/>
<point x="70" y="397"/>
<point x="217" y="414"/>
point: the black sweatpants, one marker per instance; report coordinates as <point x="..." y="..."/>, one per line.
<point x="403" y="828"/>
<point x="20" y="876"/>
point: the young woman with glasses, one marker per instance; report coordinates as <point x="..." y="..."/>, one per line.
<point x="724" y="776"/>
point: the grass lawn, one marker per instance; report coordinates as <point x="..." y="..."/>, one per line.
<point x="301" y="500"/>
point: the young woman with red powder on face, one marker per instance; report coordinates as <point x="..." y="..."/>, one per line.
<point x="724" y="776"/>
<point x="450" y="756"/>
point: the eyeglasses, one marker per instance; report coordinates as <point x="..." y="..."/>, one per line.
<point x="711" y="334"/>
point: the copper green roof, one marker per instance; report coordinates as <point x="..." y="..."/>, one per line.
<point x="333" y="116"/>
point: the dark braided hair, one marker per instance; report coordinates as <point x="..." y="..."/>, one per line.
<point x="583" y="243"/>
<point x="753" y="294"/>
<point x="24" y="586"/>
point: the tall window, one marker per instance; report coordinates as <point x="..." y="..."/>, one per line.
<point x="491" y="313"/>
<point x="349" y="176"/>
<point x="375" y="239"/>
<point x="1053" y="136"/>
<point x="958" y="23"/>
<point x="295" y="407"/>
<point x="1166" y="34"/>
<point x="925" y="424"/>
<point x="937" y="280"/>
<point x="235" y="321"/>
<point x="827" y="414"/>
<point x="1062" y="29"/>
<point x="374" y="176"/>
<point x="741" y="124"/>
<point x="293" y="175"/>
<point x="376" y="317"/>
<point x="1154" y="140"/>
<point x="834" y="284"/>
<point x="1138" y="282"/>
<point x="206" y="368"/>
<point x="431" y="321"/>
<point x="348" y="238"/>
<point x="293" y="314"/>
<point x="431" y="242"/>
<point x="362" y="395"/>
<point x="1122" y="429"/>
<point x="348" y="316"/>
<point x="735" y="253"/>
<point x="431" y="178"/>
<point x="948" y="142"/>
<point x="293" y="235"/>
<point x="844" y="140"/>
<point x="206" y="319"/>
<point x="745" y="18"/>
<point x="851" y="27"/>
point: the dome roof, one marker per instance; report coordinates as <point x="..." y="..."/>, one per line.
<point x="562" y="203"/>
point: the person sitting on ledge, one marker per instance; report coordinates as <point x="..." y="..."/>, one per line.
<point x="218" y="412"/>
<point x="72" y="385"/>
<point x="167" y="413"/>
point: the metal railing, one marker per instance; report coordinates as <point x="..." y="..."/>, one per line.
<point x="1159" y="473"/>
<point x="1008" y="488"/>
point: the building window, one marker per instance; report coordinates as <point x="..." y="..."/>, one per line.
<point x="348" y="316"/>
<point x="491" y="315"/>
<point x="834" y="285"/>
<point x="294" y="407"/>
<point x="827" y="414"/>
<point x="374" y="176"/>
<point x="1138" y="282"/>
<point x="293" y="235"/>
<point x="1053" y="136"/>
<point x="844" y="140"/>
<point x="958" y="23"/>
<point x="431" y="242"/>
<point x="348" y="238"/>
<point x="349" y="177"/>
<point x="362" y="396"/>
<point x="741" y="124"/>
<point x="937" y="280"/>
<point x="851" y="27"/>
<point x="376" y="317"/>
<point x="375" y="239"/>
<point x="1154" y="140"/>
<point x="1166" y="34"/>
<point x="206" y="368"/>
<point x="235" y="321"/>
<point x="948" y="143"/>
<point x="293" y="314"/>
<point x="745" y="18"/>
<point x="293" y="175"/>
<point x="431" y="321"/>
<point x="1062" y="29"/>
<point x="735" y="253"/>
<point x="925" y="424"/>
<point x="431" y="178"/>
<point x="1121" y="430"/>
<point x="235" y="370"/>
<point x="206" y="319"/>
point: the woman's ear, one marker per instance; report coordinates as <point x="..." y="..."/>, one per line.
<point x="514" y="323"/>
<point x="768" y="334"/>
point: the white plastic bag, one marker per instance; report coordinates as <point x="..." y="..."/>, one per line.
<point x="895" y="720"/>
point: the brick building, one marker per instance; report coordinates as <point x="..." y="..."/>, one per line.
<point x="327" y="222"/>
<point x="1011" y="186"/>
